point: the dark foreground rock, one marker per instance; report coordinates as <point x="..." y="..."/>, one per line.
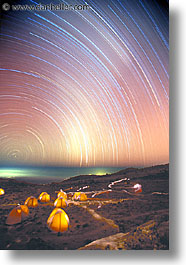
<point x="151" y="235"/>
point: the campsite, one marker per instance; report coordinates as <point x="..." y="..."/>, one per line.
<point x="121" y="211"/>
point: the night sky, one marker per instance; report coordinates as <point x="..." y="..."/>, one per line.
<point x="85" y="88"/>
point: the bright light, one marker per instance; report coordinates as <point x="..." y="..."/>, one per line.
<point x="9" y="173"/>
<point x="100" y="174"/>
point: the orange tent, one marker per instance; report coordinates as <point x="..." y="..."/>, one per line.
<point x="31" y="202"/>
<point x="60" y="202"/>
<point x="44" y="197"/>
<point x="2" y="191"/>
<point x="17" y="215"/>
<point x="58" y="220"/>
<point x="54" y="212"/>
<point x="81" y="196"/>
<point x="63" y="194"/>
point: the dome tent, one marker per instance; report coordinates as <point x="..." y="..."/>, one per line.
<point x="31" y="202"/>
<point x="60" y="202"/>
<point x="17" y="215"/>
<point x="61" y="193"/>
<point x="2" y="191"/>
<point x="44" y="197"/>
<point x="58" y="221"/>
<point x="54" y="212"/>
<point x="81" y="196"/>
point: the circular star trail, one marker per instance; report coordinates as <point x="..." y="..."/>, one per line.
<point x="85" y="88"/>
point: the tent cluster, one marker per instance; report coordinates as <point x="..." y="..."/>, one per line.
<point x="58" y="221"/>
<point x="20" y="212"/>
<point x="61" y="201"/>
<point x="2" y="191"/>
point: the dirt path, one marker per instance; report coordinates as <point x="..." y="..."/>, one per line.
<point x="101" y="218"/>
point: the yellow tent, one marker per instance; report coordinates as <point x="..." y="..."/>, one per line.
<point x="58" y="220"/>
<point x="44" y="197"/>
<point x="31" y="202"/>
<point x="54" y="212"/>
<point x="63" y="194"/>
<point x="17" y="215"/>
<point x="2" y="191"/>
<point x="60" y="202"/>
<point x="81" y="196"/>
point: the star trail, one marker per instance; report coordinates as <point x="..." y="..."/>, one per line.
<point x="85" y="88"/>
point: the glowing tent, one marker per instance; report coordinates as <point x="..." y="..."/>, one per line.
<point x="17" y="215"/>
<point x="58" y="220"/>
<point x="44" y="197"/>
<point x="2" y="191"/>
<point x="31" y="202"/>
<point x="81" y="196"/>
<point x="60" y="202"/>
<point x="54" y="212"/>
<point x="137" y="188"/>
<point x="63" y="194"/>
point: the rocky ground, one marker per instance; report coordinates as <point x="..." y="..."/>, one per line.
<point x="114" y="217"/>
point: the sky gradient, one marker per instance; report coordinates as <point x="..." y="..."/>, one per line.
<point x="85" y="88"/>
